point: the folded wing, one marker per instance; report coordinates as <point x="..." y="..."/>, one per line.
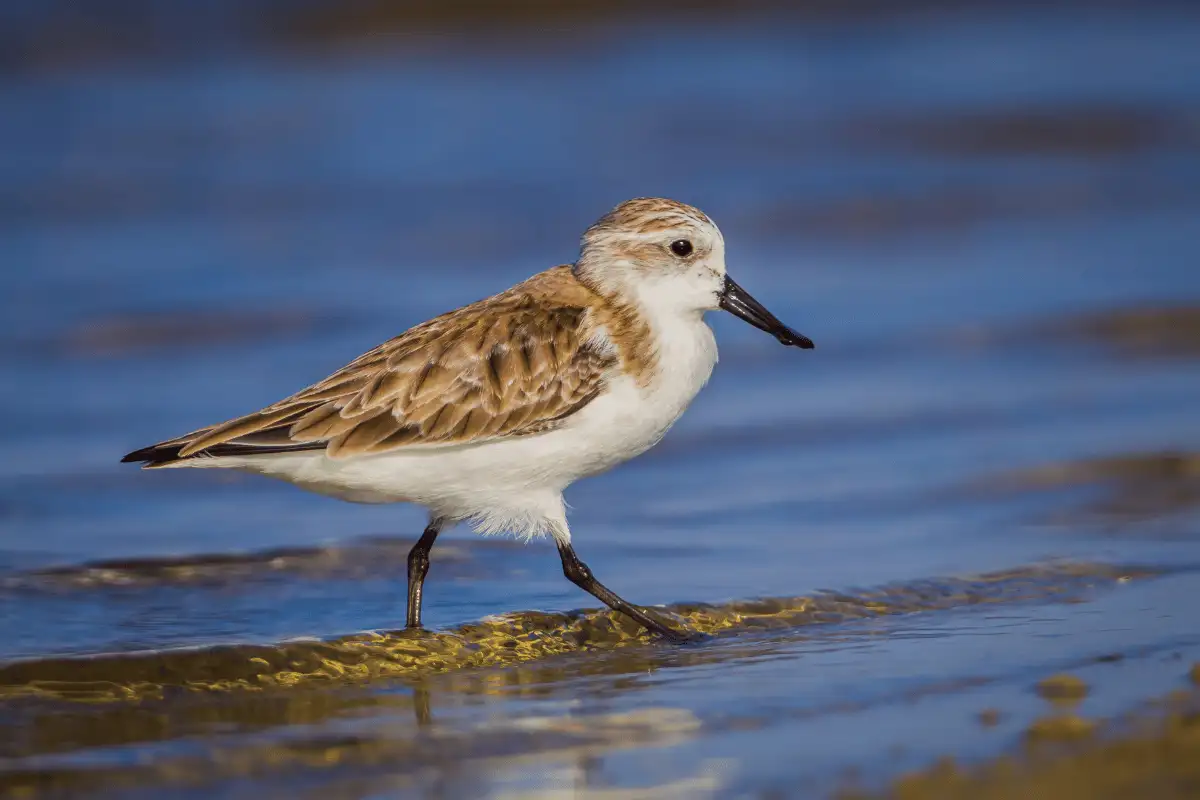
<point x="514" y="365"/>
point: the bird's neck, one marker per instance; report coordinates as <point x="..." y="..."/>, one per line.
<point x="652" y="338"/>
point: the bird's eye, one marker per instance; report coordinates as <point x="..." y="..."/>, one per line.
<point x="681" y="248"/>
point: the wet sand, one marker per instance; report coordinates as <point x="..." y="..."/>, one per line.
<point x="1151" y="752"/>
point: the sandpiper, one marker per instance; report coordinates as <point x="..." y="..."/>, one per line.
<point x="487" y="413"/>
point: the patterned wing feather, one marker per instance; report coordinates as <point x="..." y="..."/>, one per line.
<point x="514" y="365"/>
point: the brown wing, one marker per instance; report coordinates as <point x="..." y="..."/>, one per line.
<point x="513" y="365"/>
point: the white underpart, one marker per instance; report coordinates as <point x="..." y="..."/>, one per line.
<point x="515" y="485"/>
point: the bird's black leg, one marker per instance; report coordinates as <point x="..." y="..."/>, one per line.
<point x="579" y="574"/>
<point x="418" y="565"/>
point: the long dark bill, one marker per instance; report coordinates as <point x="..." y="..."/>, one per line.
<point x="740" y="303"/>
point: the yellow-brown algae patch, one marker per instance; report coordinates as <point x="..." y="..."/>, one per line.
<point x="1153" y="754"/>
<point x="1065" y="726"/>
<point x="1194" y="674"/>
<point x="511" y="639"/>
<point x="1062" y="687"/>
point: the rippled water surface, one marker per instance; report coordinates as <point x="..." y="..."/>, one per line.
<point x="988" y="469"/>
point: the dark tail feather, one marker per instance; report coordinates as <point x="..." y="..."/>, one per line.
<point x="154" y="454"/>
<point x="158" y="454"/>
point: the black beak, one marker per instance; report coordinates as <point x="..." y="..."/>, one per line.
<point x="737" y="301"/>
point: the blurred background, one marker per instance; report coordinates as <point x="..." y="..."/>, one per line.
<point x="986" y="214"/>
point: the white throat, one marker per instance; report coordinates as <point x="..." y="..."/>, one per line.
<point x="686" y="349"/>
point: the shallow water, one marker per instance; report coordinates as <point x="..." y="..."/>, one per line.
<point x="986" y="219"/>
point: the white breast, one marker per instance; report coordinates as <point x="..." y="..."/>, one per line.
<point x="629" y="419"/>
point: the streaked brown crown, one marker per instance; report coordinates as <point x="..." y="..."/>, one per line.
<point x="646" y="215"/>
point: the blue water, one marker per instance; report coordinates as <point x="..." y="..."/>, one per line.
<point x="188" y="239"/>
